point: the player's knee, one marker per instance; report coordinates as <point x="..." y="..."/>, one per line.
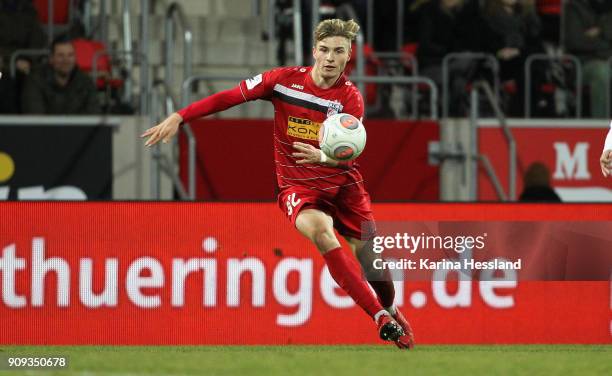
<point x="324" y="238"/>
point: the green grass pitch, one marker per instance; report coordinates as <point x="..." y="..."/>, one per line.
<point x="322" y="360"/>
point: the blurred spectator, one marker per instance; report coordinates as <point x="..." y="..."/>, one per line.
<point x="19" y="29"/>
<point x="385" y="24"/>
<point x="60" y="87"/>
<point x="8" y="91"/>
<point x="449" y="26"/>
<point x="412" y="17"/>
<point x="536" y="184"/>
<point x="588" y="34"/>
<point x="515" y="34"/>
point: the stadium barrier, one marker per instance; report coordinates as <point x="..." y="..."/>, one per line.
<point x="570" y="148"/>
<point x="395" y="164"/>
<point x="232" y="273"/>
<point x="56" y="157"/>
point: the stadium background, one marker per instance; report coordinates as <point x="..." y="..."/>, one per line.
<point x="267" y="281"/>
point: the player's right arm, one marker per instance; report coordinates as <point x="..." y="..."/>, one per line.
<point x="259" y="86"/>
<point x="606" y="157"/>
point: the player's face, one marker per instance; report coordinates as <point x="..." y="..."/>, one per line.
<point x="331" y="55"/>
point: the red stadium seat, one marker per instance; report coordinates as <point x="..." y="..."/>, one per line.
<point x="550" y="7"/>
<point x="410" y="49"/>
<point x="86" y="50"/>
<point x="548" y="88"/>
<point x="61" y="11"/>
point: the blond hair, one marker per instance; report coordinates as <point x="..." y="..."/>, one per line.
<point x="336" y="28"/>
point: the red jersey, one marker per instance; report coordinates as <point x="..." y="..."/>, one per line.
<point x="299" y="109"/>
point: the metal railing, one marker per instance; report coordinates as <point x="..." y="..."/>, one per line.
<point x="297" y="32"/>
<point x="50" y="23"/>
<point x="144" y="50"/>
<point x="26" y="52"/>
<point x="127" y="47"/>
<point x="414" y="70"/>
<point x="316" y="5"/>
<point x="476" y="156"/>
<point x="159" y="162"/>
<point x="176" y="15"/>
<point x="399" y="27"/>
<point x="543" y="57"/>
<point x="144" y="67"/>
<point x="400" y="80"/>
<point x="103" y="22"/>
<point x="51" y="16"/>
<point x="433" y="99"/>
<point x="608" y="87"/>
<point x="466" y="56"/>
<point x="190" y="81"/>
<point x="271" y="26"/>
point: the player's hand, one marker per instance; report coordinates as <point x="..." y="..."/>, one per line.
<point x="164" y="130"/>
<point x="508" y="53"/>
<point x="593" y="32"/>
<point x="605" y="161"/>
<point x="306" y="153"/>
<point x="23" y="66"/>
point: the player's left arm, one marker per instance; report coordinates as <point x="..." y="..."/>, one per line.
<point x="606" y="157"/>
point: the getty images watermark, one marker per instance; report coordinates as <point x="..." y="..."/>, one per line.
<point x="487" y="251"/>
<point x="427" y="245"/>
<point x="439" y="250"/>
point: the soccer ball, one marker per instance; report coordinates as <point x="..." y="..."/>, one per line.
<point x="342" y="137"/>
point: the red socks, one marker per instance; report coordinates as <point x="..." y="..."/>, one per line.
<point x="385" y="291"/>
<point x="348" y="277"/>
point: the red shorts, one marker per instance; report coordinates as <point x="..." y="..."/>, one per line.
<point x="350" y="208"/>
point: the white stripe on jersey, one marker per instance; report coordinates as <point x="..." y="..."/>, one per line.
<point x="305" y="96"/>
<point x="339" y="186"/>
<point x="282" y="142"/>
<point x="315" y="177"/>
<point x="297" y="166"/>
<point x="320" y="189"/>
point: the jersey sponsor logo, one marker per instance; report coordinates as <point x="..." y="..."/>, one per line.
<point x="334" y="107"/>
<point x="254" y="81"/>
<point x="303" y="128"/>
<point x="296" y="86"/>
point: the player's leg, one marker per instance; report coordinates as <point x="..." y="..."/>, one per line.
<point x="380" y="280"/>
<point x="356" y="223"/>
<point x="354" y="220"/>
<point x="317" y="226"/>
<point x="382" y="283"/>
